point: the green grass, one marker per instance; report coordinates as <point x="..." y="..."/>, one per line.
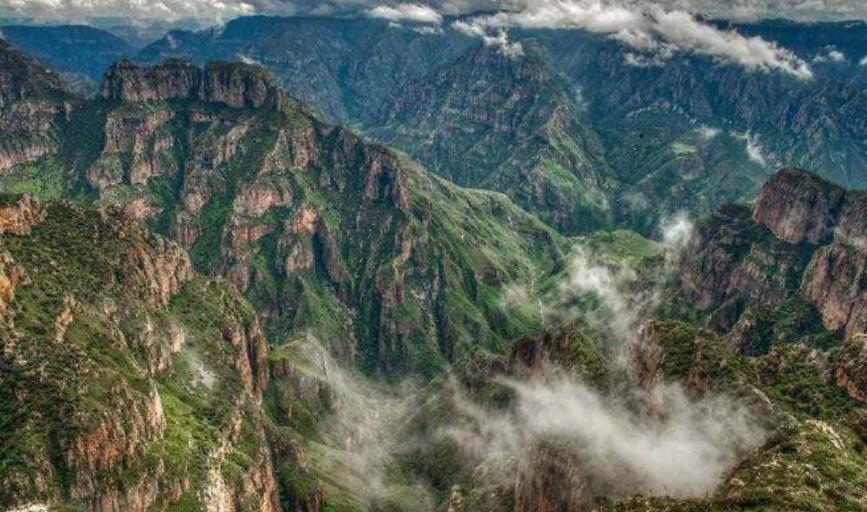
<point x="43" y="180"/>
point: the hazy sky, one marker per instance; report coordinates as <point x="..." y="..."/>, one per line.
<point x="222" y="10"/>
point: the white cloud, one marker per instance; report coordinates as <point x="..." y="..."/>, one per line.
<point x="863" y="61"/>
<point x="649" y="28"/>
<point x="499" y="39"/>
<point x="248" y="60"/>
<point x="211" y="11"/>
<point x="428" y="30"/>
<point x="413" y="13"/>
<point x="754" y="149"/>
<point x="677" y="231"/>
<point x="798" y="10"/>
<point x="613" y="449"/>
<point x="708" y="132"/>
<point x="70" y="11"/>
<point x="642" y="61"/>
<point x="832" y="55"/>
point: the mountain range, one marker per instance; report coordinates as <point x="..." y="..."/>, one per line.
<point x="571" y="107"/>
<point x="330" y="264"/>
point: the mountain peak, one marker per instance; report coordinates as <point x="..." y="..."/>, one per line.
<point x="22" y="77"/>
<point x="798" y="206"/>
<point x="235" y="84"/>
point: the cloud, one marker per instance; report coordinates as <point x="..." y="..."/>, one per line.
<point x="754" y="149"/>
<point x="413" y="13"/>
<point x="832" y="55"/>
<point x="621" y="309"/>
<point x="248" y="60"/>
<point x="708" y="132"/>
<point x="611" y="448"/>
<point x="797" y="10"/>
<point x="498" y="39"/>
<point x="642" y="61"/>
<point x="619" y="440"/>
<point x="677" y="231"/>
<point x="222" y="10"/>
<point x="216" y="11"/>
<point x="428" y="30"/>
<point x="69" y="11"/>
<point x="656" y="32"/>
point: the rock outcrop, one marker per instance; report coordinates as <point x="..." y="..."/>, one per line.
<point x="836" y="282"/>
<point x="803" y="241"/>
<point x="849" y="367"/>
<point x="319" y="227"/>
<point x="799" y="207"/>
<point x="18" y="215"/>
<point x="233" y="84"/>
<point x="132" y="383"/>
<point x="33" y="104"/>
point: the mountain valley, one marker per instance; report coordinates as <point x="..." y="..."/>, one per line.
<point x="266" y="267"/>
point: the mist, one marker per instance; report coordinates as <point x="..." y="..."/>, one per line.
<point x="619" y="439"/>
<point x="618" y="450"/>
<point x="359" y="440"/>
<point x="585" y="441"/>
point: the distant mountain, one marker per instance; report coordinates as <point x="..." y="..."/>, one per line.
<point x="653" y="124"/>
<point x="510" y="124"/>
<point x="73" y="49"/>
<point x="344" y="67"/>
<point x="34" y="102"/>
<point x="211" y="299"/>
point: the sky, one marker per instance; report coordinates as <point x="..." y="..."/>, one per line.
<point x="223" y="10"/>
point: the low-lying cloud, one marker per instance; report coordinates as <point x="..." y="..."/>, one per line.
<point x="412" y="13"/>
<point x="655" y="31"/>
<point x="615" y="440"/>
<point x="614" y="449"/>
<point x="754" y="149"/>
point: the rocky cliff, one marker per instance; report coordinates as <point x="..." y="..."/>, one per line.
<point x="800" y="248"/>
<point x="232" y="84"/>
<point x="799" y="207"/>
<point x="321" y="229"/>
<point x="129" y="383"/>
<point x="33" y="104"/>
<point x="522" y="134"/>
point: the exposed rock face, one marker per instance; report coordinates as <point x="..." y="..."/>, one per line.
<point x="173" y="79"/>
<point x="159" y="274"/>
<point x="33" y="102"/>
<point x="10" y="275"/>
<point x="233" y="84"/>
<point x="19" y="216"/>
<point x="730" y="257"/>
<point x="804" y="240"/>
<point x="141" y="143"/>
<point x="124" y="349"/>
<point x="551" y="482"/>
<point x="318" y="226"/>
<point x="850" y="367"/>
<point x="799" y="207"/>
<point x="836" y="282"/>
